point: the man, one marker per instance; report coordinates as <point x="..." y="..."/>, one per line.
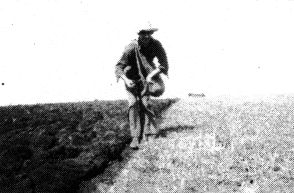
<point x="137" y="69"/>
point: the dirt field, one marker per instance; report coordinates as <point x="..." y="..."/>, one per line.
<point x="213" y="145"/>
<point x="57" y="147"/>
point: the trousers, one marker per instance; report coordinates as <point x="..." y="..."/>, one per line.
<point x="141" y="116"/>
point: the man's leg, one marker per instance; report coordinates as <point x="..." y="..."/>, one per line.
<point x="134" y="119"/>
<point x="150" y="129"/>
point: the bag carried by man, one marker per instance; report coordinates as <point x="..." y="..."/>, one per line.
<point x="154" y="88"/>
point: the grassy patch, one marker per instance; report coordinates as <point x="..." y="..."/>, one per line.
<point x="245" y="147"/>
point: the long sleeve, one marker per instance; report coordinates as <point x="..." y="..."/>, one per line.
<point x="119" y="70"/>
<point x="127" y="64"/>
<point x="122" y="63"/>
<point x="162" y="58"/>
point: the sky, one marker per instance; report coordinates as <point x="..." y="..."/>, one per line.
<point x="66" y="50"/>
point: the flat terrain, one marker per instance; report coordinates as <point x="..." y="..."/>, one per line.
<point x="213" y="145"/>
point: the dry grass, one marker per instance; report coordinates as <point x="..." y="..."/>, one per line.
<point x="211" y="145"/>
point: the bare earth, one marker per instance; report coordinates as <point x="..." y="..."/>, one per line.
<point x="212" y="145"/>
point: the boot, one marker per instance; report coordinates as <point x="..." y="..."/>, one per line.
<point x="135" y="143"/>
<point x="150" y="137"/>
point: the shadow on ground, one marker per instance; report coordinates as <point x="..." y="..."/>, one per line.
<point x="165" y="131"/>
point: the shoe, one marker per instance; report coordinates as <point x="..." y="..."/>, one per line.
<point x="150" y="137"/>
<point x="145" y="138"/>
<point x="135" y="143"/>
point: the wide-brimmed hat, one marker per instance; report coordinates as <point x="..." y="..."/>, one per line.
<point x="146" y="28"/>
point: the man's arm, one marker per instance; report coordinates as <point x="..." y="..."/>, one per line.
<point x="152" y="74"/>
<point x="122" y="65"/>
<point x="163" y="63"/>
<point x="119" y="71"/>
<point x="128" y="81"/>
<point x="162" y="59"/>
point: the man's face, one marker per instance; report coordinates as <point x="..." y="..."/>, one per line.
<point x="145" y="38"/>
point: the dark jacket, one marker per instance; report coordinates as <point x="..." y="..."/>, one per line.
<point x="128" y="62"/>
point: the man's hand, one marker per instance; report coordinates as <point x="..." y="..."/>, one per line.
<point x="149" y="78"/>
<point x="129" y="83"/>
<point x="152" y="74"/>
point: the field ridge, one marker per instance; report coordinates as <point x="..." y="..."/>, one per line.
<point x="214" y="145"/>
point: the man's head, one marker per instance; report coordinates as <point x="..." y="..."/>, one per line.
<point x="144" y="38"/>
<point x="145" y="34"/>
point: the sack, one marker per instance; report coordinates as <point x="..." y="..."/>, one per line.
<point x="155" y="88"/>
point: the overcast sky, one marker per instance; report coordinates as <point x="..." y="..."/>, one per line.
<point x="66" y="50"/>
